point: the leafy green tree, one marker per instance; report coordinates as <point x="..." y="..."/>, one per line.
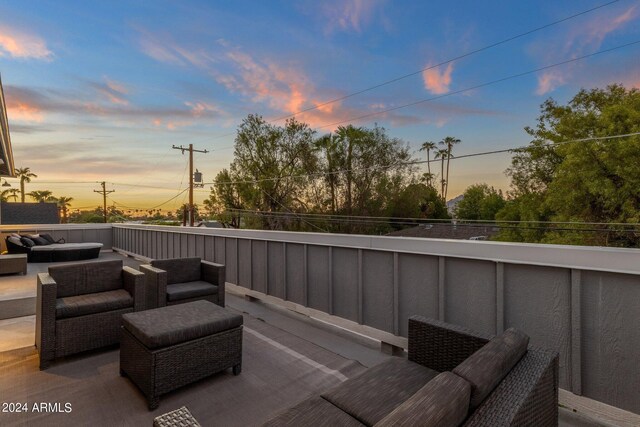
<point x="10" y="193"/>
<point x="181" y="210"/>
<point x="428" y="146"/>
<point x="480" y="202"/>
<point x="588" y="181"/>
<point x="270" y="165"/>
<point x="418" y="200"/>
<point x="448" y="142"/>
<point x="25" y="176"/>
<point x="63" y="205"/>
<point x="42" y="196"/>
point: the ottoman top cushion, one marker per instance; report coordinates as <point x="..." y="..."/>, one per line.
<point x="175" y="324"/>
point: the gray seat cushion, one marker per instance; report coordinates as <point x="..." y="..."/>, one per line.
<point x="375" y="393"/>
<point x="180" y="291"/>
<point x="485" y="368"/>
<point x="99" y="302"/>
<point x="316" y="412"/>
<point x="443" y="402"/>
<point x="179" y="270"/>
<point x="165" y="326"/>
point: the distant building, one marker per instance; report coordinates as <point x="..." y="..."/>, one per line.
<point x="29" y="213"/>
<point x="449" y="231"/>
<point x="7" y="167"/>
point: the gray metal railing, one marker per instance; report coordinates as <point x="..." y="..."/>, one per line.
<point x="583" y="302"/>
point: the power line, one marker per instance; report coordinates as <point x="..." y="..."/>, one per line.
<point x="448" y="61"/>
<point x="426" y="221"/>
<point x="464" y="55"/>
<point x="417" y="162"/>
<point x="503" y="79"/>
<point x="455" y="221"/>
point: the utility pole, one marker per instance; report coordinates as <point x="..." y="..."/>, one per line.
<point x="191" y="150"/>
<point x="104" y="193"/>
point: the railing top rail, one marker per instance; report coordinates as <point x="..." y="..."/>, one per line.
<point x="616" y="260"/>
<point x="8" y="228"/>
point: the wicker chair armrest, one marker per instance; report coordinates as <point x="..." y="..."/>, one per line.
<point x="134" y="282"/>
<point x="155" y="286"/>
<point x="46" y="317"/>
<point x="215" y="274"/>
<point x="527" y="396"/>
<point x="441" y="346"/>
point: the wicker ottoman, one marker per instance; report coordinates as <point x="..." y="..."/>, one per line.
<point x="169" y="347"/>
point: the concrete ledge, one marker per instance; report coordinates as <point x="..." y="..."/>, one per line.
<point x="17" y="307"/>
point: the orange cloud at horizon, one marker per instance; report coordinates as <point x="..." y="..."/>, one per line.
<point x="437" y="82"/>
<point x="21" y="45"/>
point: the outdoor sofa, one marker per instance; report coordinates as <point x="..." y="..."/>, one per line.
<point x="452" y="377"/>
<point x="80" y="306"/>
<point x="43" y="248"/>
<point x="180" y="280"/>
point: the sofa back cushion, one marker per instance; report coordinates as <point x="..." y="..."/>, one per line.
<point x="87" y="278"/>
<point x="485" y="368"/>
<point x="442" y="402"/>
<point x="179" y="270"/>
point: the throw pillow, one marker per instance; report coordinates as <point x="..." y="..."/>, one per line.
<point x="48" y="238"/>
<point x="27" y="242"/>
<point x="40" y="241"/>
<point x="15" y="240"/>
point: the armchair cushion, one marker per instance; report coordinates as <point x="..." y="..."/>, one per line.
<point x="485" y="368"/>
<point x="87" y="278"/>
<point x="180" y="291"/>
<point x="443" y="402"/>
<point x="373" y="395"/>
<point x="179" y="270"/>
<point x="81" y="305"/>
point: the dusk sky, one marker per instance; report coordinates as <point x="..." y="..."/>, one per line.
<point x="101" y="90"/>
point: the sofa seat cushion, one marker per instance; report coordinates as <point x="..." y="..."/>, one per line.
<point x="316" y="412"/>
<point x="443" y="402"/>
<point x="99" y="302"/>
<point x="485" y="368"/>
<point x="175" y="324"/>
<point x="198" y="288"/>
<point x="375" y="393"/>
<point x="66" y="247"/>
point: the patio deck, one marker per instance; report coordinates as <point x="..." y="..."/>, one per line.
<point x="286" y="358"/>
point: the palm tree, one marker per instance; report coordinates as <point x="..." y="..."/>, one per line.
<point x="428" y="146"/>
<point x="42" y="196"/>
<point x="442" y="154"/>
<point x="5" y="195"/>
<point x="63" y="205"/>
<point x="25" y="175"/>
<point x="449" y="142"/>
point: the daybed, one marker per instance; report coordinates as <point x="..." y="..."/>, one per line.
<point x="42" y="248"/>
<point x="80" y="306"/>
<point x="452" y="377"/>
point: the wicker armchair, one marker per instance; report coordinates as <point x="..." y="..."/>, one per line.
<point x="80" y="306"/>
<point x="180" y="280"/>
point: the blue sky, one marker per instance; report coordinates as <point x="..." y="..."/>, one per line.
<point x="101" y="90"/>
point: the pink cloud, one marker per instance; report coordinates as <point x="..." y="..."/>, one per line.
<point x="548" y="81"/>
<point x="19" y="44"/>
<point x="437" y="82"/>
<point x="581" y="39"/>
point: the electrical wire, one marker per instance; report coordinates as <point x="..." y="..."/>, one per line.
<point x="418" y="162"/>
<point x="448" y="61"/>
<point x="492" y="82"/>
<point x="456" y="58"/>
